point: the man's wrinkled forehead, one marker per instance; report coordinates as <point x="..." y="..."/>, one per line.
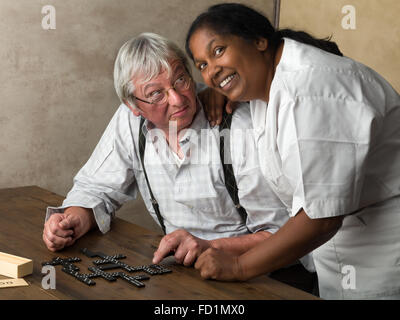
<point x="175" y="67"/>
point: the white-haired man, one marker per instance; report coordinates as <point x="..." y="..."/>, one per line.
<point x="180" y="174"/>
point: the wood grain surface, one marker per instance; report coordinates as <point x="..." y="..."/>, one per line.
<point x="22" y="214"/>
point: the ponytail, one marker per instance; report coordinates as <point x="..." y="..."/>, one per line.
<point x="325" y="44"/>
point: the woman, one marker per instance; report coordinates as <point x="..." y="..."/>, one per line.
<point x="328" y="134"/>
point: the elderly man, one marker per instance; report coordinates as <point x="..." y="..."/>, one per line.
<point x="160" y="143"/>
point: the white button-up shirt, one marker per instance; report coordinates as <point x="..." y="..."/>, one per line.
<point x="331" y="146"/>
<point x="191" y="193"/>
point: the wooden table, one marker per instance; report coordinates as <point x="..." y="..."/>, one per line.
<point x="22" y="213"/>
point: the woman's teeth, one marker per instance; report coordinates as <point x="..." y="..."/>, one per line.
<point x="226" y="81"/>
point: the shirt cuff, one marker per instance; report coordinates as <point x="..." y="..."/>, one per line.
<point x="269" y="229"/>
<point x="103" y="219"/>
<point x="325" y="208"/>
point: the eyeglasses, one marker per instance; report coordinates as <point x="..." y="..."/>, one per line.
<point x="160" y="96"/>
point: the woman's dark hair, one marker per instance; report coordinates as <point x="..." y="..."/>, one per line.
<point x="242" y="21"/>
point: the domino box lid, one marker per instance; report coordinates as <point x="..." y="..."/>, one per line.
<point x="14" y="266"/>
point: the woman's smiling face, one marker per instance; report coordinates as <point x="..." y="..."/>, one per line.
<point x="231" y="65"/>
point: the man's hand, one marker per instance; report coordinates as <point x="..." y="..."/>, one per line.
<point x="185" y="246"/>
<point x="63" y="229"/>
<point x="217" y="264"/>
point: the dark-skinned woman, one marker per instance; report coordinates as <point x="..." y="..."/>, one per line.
<point x="328" y="136"/>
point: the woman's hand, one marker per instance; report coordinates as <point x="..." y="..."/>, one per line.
<point x="214" y="104"/>
<point x="297" y="237"/>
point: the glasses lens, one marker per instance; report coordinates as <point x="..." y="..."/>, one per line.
<point x="182" y="83"/>
<point x="159" y="98"/>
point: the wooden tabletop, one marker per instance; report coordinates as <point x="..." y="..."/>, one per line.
<point x="22" y="214"/>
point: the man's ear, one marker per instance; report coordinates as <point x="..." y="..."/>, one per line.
<point x="135" y="111"/>
<point x="261" y="44"/>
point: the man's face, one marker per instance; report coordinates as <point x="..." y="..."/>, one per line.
<point x="180" y="106"/>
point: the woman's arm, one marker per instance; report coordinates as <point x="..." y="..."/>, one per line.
<point x="214" y="103"/>
<point x="299" y="236"/>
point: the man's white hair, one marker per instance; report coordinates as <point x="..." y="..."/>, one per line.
<point x="142" y="58"/>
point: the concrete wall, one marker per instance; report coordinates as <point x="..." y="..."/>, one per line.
<point x="56" y="86"/>
<point x="375" y="41"/>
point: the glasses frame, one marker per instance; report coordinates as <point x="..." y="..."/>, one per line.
<point x="166" y="91"/>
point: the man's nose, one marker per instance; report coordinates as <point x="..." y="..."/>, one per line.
<point x="175" y="98"/>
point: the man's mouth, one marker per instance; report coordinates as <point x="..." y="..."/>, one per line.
<point x="227" y="80"/>
<point x="180" y="112"/>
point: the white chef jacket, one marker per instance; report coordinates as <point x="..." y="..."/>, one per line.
<point x="191" y="194"/>
<point x="329" y="142"/>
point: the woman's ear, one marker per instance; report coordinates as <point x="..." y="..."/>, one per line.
<point x="261" y="44"/>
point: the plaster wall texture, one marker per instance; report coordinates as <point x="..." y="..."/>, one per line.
<point x="56" y="86"/>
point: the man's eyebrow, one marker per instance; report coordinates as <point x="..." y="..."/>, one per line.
<point x="149" y="85"/>
<point x="177" y="69"/>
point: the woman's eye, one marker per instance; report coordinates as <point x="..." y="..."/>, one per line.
<point x="218" y="51"/>
<point x="201" y="66"/>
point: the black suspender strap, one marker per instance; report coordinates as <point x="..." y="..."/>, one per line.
<point x="142" y="147"/>
<point x="230" y="181"/>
